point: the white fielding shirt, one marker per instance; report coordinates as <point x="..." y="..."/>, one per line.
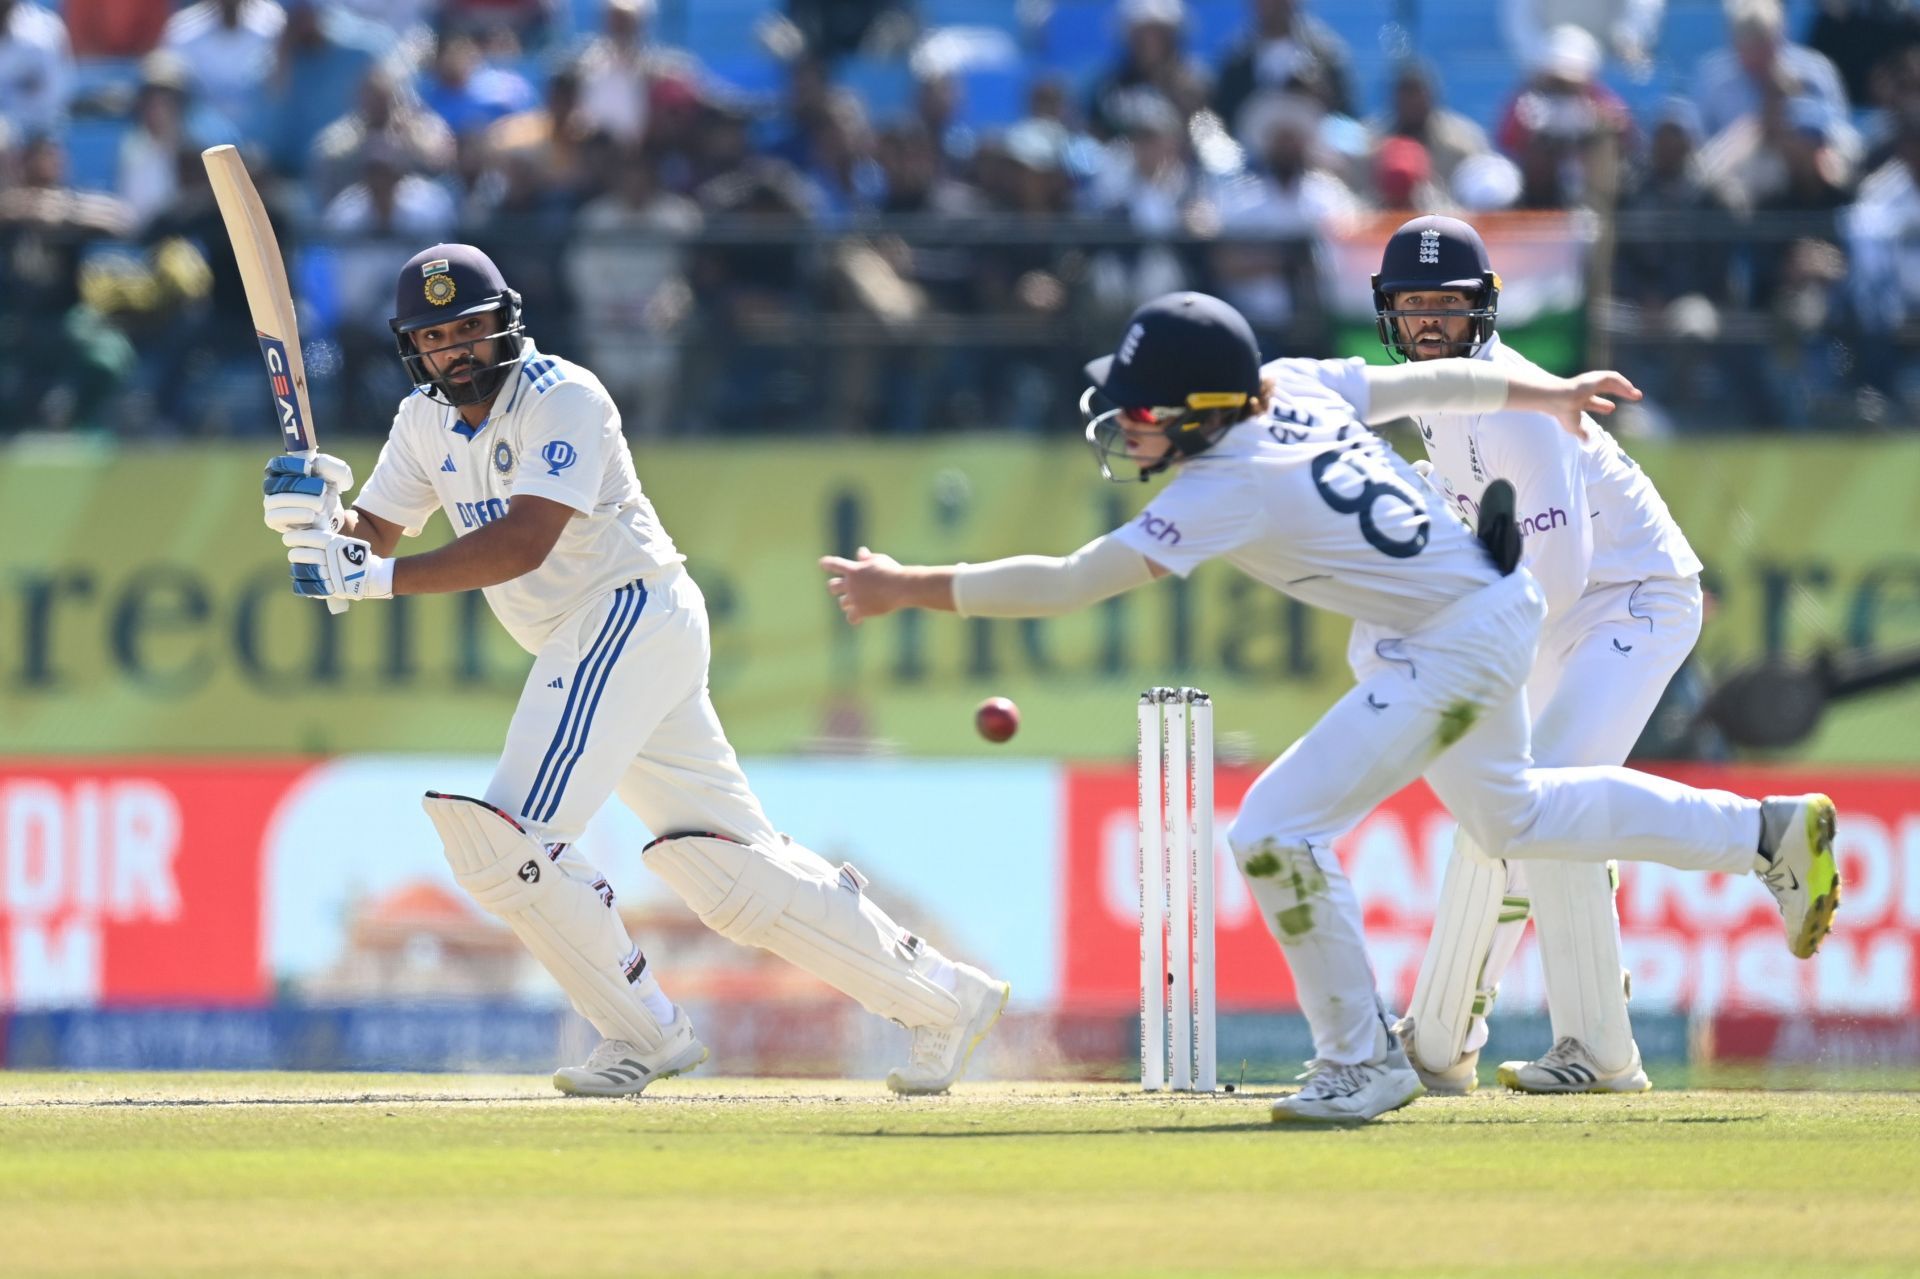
<point x="553" y="433"/>
<point x="1307" y="500"/>
<point x="1589" y="515"/>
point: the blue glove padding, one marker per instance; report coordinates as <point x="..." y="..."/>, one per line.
<point x="288" y="474"/>
<point x="304" y="493"/>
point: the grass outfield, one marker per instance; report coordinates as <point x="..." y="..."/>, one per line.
<point x="254" y="1175"/>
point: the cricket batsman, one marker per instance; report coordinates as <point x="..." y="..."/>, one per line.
<point x="1622" y="588"/>
<point x="523" y="452"/>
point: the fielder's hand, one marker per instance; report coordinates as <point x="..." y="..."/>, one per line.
<point x="326" y="565"/>
<point x="1588" y="393"/>
<point x="303" y="494"/>
<point x="866" y="586"/>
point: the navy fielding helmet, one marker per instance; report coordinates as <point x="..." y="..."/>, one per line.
<point x="1187" y="364"/>
<point x="1436" y="255"/>
<point x="439" y="287"/>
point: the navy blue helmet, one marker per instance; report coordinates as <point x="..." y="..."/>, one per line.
<point x="440" y="286"/>
<point x="1436" y="255"/>
<point x="1188" y="363"/>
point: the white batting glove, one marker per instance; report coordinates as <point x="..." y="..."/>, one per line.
<point x="327" y="565"/>
<point x="302" y="495"/>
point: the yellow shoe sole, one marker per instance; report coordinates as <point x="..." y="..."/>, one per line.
<point x="1823" y="878"/>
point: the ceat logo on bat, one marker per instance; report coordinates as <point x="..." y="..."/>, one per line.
<point x="291" y="424"/>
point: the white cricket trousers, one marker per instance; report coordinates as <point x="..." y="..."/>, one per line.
<point x="1448" y="702"/>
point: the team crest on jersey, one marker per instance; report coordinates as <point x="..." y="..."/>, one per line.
<point x="503" y="457"/>
<point x="439" y="288"/>
<point x="1429" y="248"/>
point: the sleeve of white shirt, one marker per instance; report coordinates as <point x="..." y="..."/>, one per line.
<point x="1543" y="463"/>
<point x="398" y="491"/>
<point x="1345" y="378"/>
<point x="1206" y="511"/>
<point x="570" y="434"/>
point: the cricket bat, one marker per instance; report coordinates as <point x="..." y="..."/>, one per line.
<point x="269" y="298"/>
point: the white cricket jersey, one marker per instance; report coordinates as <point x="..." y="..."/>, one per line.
<point x="1589" y="515"/>
<point x="1309" y="501"/>
<point x="553" y="433"/>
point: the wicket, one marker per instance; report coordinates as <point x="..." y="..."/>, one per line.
<point x="1177" y="1047"/>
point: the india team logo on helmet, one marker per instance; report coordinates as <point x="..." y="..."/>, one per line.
<point x="440" y="288"/>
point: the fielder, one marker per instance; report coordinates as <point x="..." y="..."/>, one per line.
<point x="1274" y="469"/>
<point x="1622" y="588"/>
<point x="523" y="452"/>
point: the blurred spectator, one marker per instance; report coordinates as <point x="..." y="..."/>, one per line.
<point x="1564" y="128"/>
<point x="834" y="28"/>
<point x="551" y="139"/>
<point x="1147" y="183"/>
<point x="1792" y="268"/>
<point x="1672" y="267"/>
<point x="1287" y="48"/>
<point x="115" y="28"/>
<point x="529" y="21"/>
<point x="1731" y="82"/>
<point x="466" y="92"/>
<point x="1153" y="60"/>
<point x="623" y="70"/>
<point x="386" y="215"/>
<point x="229" y="47"/>
<point x="1403" y="179"/>
<point x="1271" y="218"/>
<point x="1883" y="235"/>
<point x="387" y="115"/>
<point x="1625" y="29"/>
<point x="150" y="152"/>
<point x="324" y="54"/>
<point x="628" y="272"/>
<point x="60" y="361"/>
<point x="1893" y="89"/>
<point x="845" y="178"/>
<point x="1859" y="36"/>
<point x="1485" y="183"/>
<point x="1414" y="113"/>
<point x="36" y="67"/>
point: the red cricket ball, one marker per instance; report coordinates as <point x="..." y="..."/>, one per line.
<point x="997" y="719"/>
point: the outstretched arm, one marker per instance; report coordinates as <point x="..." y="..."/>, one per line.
<point x="1021" y="586"/>
<point x="1476" y="386"/>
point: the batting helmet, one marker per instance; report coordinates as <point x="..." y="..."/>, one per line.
<point x="1436" y="255"/>
<point x="1186" y="362"/>
<point x="445" y="284"/>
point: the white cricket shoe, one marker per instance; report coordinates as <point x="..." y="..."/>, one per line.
<point x="1336" y="1093"/>
<point x="940" y="1053"/>
<point x="1456" y="1080"/>
<point x="618" y="1068"/>
<point x="1569" y="1067"/>
<point x="1796" y="864"/>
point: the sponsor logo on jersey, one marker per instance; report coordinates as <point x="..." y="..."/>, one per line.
<point x="1159" y="528"/>
<point x="559" y="455"/>
<point x="1543" y="522"/>
<point x="503" y="457"/>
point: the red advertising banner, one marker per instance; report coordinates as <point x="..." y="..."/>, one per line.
<point x="1691" y="941"/>
<point x="122" y="883"/>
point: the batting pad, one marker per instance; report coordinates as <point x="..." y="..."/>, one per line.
<point x="1449" y="988"/>
<point x="790" y="901"/>
<point x="1579" y="934"/>
<point x="569" y="927"/>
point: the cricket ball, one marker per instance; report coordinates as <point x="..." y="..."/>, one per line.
<point x="997" y="719"/>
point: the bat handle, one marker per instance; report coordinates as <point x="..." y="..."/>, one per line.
<point x="336" y="606"/>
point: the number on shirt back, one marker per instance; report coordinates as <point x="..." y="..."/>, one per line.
<point x="1356" y="480"/>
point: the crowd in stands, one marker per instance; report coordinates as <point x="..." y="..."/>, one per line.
<point x="904" y="215"/>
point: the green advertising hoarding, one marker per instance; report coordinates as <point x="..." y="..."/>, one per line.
<point x="145" y="609"/>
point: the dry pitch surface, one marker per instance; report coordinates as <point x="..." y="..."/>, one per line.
<point x="255" y="1175"/>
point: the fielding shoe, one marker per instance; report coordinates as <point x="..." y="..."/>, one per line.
<point x="618" y="1068"/>
<point x="1456" y="1080"/>
<point x="1569" y="1067"/>
<point x="1337" y="1093"/>
<point x="940" y="1053"/>
<point x="1796" y="864"/>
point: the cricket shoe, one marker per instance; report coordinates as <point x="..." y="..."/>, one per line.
<point x="940" y="1053"/>
<point x="1796" y="864"/>
<point x="1569" y="1067"/>
<point x="1456" y="1080"/>
<point x="1338" y="1093"/>
<point x="619" y="1068"/>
